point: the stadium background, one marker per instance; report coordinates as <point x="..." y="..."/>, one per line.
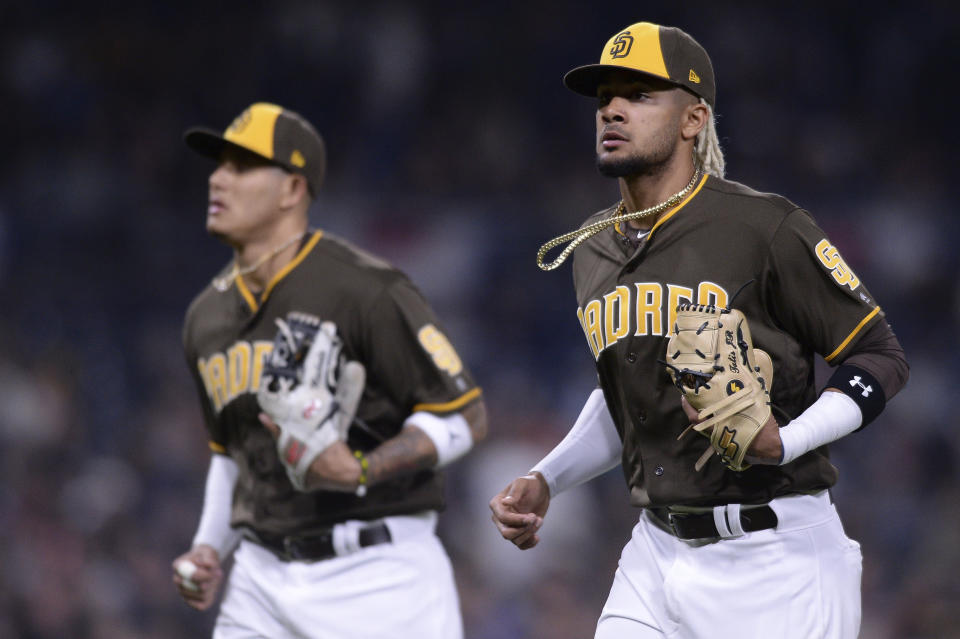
<point x="454" y="151"/>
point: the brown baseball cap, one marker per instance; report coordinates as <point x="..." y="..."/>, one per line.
<point x="651" y="49"/>
<point x="281" y="136"/>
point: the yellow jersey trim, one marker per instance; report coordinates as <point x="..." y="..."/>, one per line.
<point x="852" y="334"/>
<point x="249" y="297"/>
<point x="217" y="448"/>
<point x="292" y="265"/>
<point x="449" y="406"/>
<point x="666" y="217"/>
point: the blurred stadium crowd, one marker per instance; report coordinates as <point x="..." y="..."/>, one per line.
<point x="454" y="151"/>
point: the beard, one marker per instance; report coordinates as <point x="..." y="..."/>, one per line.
<point x="650" y="161"/>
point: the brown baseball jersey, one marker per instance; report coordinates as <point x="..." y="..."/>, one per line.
<point x="384" y="323"/>
<point x="799" y="297"/>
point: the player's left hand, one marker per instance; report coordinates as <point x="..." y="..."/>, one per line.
<point x="766" y="448"/>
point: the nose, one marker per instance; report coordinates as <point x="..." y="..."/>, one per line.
<point x="217" y="178"/>
<point x="613" y="110"/>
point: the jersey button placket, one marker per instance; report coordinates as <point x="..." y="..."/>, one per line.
<point x="631" y="357"/>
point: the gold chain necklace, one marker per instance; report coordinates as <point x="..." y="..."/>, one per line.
<point x="223" y="282"/>
<point x="579" y="236"/>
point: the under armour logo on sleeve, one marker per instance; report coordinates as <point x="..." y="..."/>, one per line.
<point x="862" y="387"/>
<point x="866" y="389"/>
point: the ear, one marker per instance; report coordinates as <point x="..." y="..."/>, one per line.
<point x="694" y="119"/>
<point x="295" y="190"/>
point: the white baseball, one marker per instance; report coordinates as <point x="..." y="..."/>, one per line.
<point x="186" y="570"/>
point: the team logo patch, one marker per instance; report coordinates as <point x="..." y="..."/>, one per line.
<point x="440" y="349"/>
<point x="829" y="256"/>
<point x="621" y="45"/>
<point x="734" y="386"/>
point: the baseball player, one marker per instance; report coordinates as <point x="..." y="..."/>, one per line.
<point x="351" y="552"/>
<point x="727" y="550"/>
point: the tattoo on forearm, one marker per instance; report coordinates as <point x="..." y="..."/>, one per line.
<point x="405" y="454"/>
<point x="476" y="416"/>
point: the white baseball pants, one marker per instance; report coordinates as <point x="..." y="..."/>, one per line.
<point x="800" y="580"/>
<point x="404" y="588"/>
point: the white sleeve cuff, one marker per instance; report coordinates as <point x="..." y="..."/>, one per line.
<point x="831" y="417"/>
<point x="450" y="434"/>
<point x="591" y="448"/>
<point x="214" y="529"/>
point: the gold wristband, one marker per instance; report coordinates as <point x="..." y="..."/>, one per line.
<point x="364" y="466"/>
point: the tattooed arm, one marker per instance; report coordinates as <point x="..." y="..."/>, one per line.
<point x="417" y="447"/>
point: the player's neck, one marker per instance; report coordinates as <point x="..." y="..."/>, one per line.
<point x="644" y="191"/>
<point x="258" y="262"/>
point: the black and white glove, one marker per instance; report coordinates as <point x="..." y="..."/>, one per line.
<point x="309" y="390"/>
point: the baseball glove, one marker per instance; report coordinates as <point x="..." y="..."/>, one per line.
<point x="711" y="359"/>
<point x="309" y="390"/>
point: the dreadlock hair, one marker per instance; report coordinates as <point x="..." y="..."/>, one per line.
<point x="707" y="151"/>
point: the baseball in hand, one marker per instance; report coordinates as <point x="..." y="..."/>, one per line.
<point x="186" y="569"/>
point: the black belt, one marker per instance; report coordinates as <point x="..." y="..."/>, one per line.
<point x="702" y="525"/>
<point x="316" y="546"/>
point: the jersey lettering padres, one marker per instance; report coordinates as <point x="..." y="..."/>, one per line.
<point x="802" y="299"/>
<point x="384" y="323"/>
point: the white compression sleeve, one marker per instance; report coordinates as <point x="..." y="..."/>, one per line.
<point x="214" y="529"/>
<point x="450" y="434"/>
<point x="591" y="448"/>
<point x="827" y="419"/>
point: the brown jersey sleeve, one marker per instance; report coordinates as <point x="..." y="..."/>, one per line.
<point x="879" y="353"/>
<point x="408" y="349"/>
<point x="812" y="292"/>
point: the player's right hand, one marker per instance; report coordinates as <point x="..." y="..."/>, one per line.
<point x="200" y="590"/>
<point x="518" y="510"/>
